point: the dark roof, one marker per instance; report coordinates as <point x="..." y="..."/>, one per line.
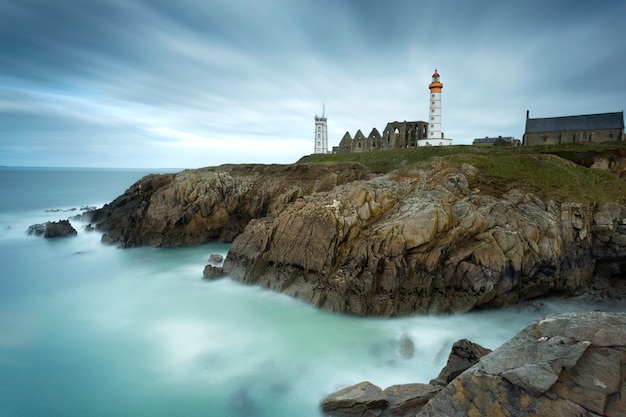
<point x="491" y="140"/>
<point x="585" y="122"/>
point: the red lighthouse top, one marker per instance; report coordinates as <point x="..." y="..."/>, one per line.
<point x="436" y="85"/>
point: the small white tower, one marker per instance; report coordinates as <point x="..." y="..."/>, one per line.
<point x="435" y="135"/>
<point x="321" y="132"/>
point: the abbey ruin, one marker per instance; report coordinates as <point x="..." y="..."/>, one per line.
<point x="395" y="135"/>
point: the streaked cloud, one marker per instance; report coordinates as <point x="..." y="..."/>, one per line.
<point x="155" y="83"/>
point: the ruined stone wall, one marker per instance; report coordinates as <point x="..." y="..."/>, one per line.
<point x="396" y="135"/>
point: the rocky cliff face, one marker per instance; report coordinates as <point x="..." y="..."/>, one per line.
<point x="428" y="238"/>
<point x="420" y="240"/>
<point x="198" y="206"/>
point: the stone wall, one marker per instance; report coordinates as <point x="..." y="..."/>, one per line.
<point x="576" y="136"/>
<point x="395" y="135"/>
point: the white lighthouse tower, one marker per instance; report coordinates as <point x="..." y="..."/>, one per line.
<point x="435" y="135"/>
<point x="321" y="132"/>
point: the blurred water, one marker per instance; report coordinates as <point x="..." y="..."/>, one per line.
<point x="89" y="329"/>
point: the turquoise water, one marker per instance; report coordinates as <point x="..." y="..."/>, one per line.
<point x="92" y="330"/>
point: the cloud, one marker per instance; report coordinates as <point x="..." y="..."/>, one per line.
<point x="155" y="83"/>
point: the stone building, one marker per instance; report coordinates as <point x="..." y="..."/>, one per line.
<point x="593" y="128"/>
<point x="496" y="141"/>
<point x="395" y="135"/>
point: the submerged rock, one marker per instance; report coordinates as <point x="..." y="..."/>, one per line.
<point x="61" y="228"/>
<point x="212" y="272"/>
<point x="406" y="346"/>
<point x="216" y="258"/>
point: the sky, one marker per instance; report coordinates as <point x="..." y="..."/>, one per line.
<point x="193" y="83"/>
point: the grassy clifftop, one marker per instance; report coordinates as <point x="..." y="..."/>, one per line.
<point x="557" y="172"/>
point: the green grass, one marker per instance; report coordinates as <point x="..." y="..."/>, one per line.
<point x="557" y="172"/>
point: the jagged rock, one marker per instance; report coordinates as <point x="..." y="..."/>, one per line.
<point x="216" y="258"/>
<point x="202" y="205"/>
<point x="463" y="355"/>
<point x="363" y="400"/>
<point x="421" y="242"/>
<point x="212" y="272"/>
<point x="564" y="365"/>
<point x="62" y="228"/>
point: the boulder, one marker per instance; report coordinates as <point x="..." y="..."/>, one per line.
<point x="564" y="365"/>
<point x="406" y="399"/>
<point x="361" y="400"/>
<point x="216" y="258"/>
<point x="463" y="355"/>
<point x="212" y="272"/>
<point x="367" y="399"/>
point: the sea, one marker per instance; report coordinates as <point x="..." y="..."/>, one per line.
<point x="89" y="329"/>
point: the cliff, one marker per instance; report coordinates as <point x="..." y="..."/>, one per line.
<point x="202" y="205"/>
<point x="447" y="234"/>
<point x="423" y="240"/>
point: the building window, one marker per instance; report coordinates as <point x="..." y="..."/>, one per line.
<point x="610" y="136"/>
<point x="584" y="136"/>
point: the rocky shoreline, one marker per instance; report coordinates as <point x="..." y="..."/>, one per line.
<point x="419" y="240"/>
<point x="564" y="365"/>
<point x="429" y="238"/>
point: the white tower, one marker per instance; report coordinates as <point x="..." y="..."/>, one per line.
<point x="434" y="116"/>
<point x="435" y="135"/>
<point x="321" y="132"/>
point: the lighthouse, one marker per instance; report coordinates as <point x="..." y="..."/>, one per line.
<point x="321" y="132"/>
<point x="435" y="135"/>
